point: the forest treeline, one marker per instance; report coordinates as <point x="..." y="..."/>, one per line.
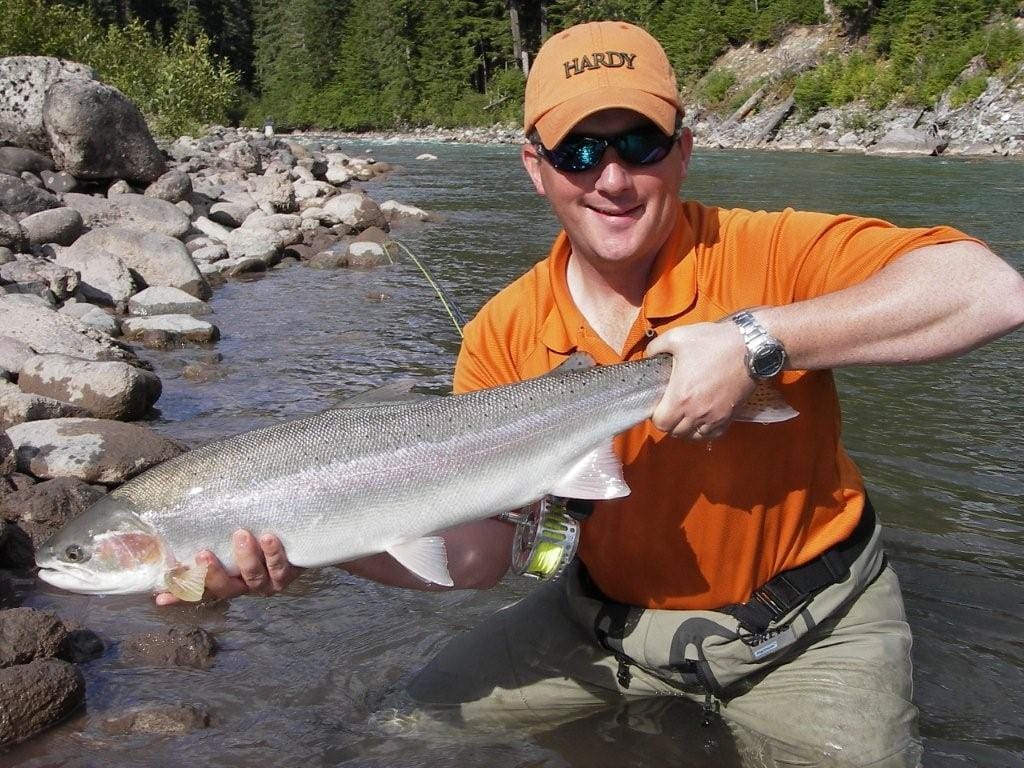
<point x="364" y="64"/>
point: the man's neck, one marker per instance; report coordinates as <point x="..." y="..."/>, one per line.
<point x="609" y="299"/>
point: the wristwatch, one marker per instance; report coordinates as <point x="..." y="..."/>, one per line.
<point x="765" y="354"/>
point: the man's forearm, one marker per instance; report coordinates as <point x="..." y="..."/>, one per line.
<point x="479" y="555"/>
<point x="933" y="303"/>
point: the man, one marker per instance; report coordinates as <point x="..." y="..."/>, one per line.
<point x="744" y="571"/>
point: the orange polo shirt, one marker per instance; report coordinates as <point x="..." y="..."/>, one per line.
<point x="702" y="528"/>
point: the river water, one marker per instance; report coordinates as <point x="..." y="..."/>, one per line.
<point x="306" y="679"/>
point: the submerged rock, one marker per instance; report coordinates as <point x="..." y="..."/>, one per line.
<point x="177" y="646"/>
<point x="162" y="719"/>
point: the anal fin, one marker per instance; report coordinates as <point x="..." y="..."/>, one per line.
<point x="426" y="557"/>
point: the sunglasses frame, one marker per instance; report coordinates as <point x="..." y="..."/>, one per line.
<point x="605" y="142"/>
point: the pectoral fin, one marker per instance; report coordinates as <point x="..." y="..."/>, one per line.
<point x="765" y="406"/>
<point x="597" y="476"/>
<point x="187" y="582"/>
<point x="425" y="557"/>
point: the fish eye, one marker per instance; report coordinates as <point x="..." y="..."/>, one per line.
<point x="74" y="553"/>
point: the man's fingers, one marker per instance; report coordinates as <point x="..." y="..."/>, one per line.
<point x="281" y="572"/>
<point x="219" y="583"/>
<point x="251" y="565"/>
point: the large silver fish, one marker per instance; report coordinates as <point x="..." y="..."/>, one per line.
<point x="357" y="481"/>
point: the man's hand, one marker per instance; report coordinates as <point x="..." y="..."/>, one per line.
<point x="263" y="569"/>
<point x="709" y="380"/>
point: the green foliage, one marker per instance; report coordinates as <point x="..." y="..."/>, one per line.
<point x="968" y="90"/>
<point x="179" y="85"/>
<point x="926" y="56"/>
<point x="714" y="87"/>
<point x="360" y="64"/>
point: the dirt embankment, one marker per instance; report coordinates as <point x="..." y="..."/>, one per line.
<point x="767" y="118"/>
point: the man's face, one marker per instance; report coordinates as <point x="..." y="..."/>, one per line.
<point x="617" y="216"/>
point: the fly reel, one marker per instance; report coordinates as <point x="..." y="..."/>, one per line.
<point x="546" y="538"/>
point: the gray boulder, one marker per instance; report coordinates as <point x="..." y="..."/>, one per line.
<point x="14" y="353"/>
<point x="93" y="450"/>
<point x="907" y="141"/>
<point x="155" y="258"/>
<point x="20" y="199"/>
<point x="59" y="183"/>
<point x="24" y="81"/>
<point x="241" y="265"/>
<point x="57" y="225"/>
<point x="174" y="186"/>
<point x="119" y="187"/>
<point x="12" y="236"/>
<point x="231" y="213"/>
<point x="164" y="300"/>
<point x="395" y="211"/>
<point x="98" y="320"/>
<point x="212" y="229"/>
<point x="273" y="192"/>
<point x="18" y="160"/>
<point x="95" y="132"/>
<point x="17" y="407"/>
<point x="255" y="242"/>
<point x="367" y="254"/>
<point x="130" y="210"/>
<point x="105" y="389"/>
<point x="210" y="253"/>
<point x="169" y="330"/>
<point x="103" y="277"/>
<point x="60" y="281"/>
<point x="354" y="210"/>
<point x="48" y="331"/>
<point x="240" y="155"/>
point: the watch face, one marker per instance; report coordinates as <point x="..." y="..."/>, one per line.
<point x="768" y="362"/>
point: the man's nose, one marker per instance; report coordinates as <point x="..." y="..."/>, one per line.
<point x="615" y="176"/>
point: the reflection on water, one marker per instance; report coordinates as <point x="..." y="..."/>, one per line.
<point x="310" y="678"/>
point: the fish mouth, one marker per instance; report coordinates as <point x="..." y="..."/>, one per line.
<point x="65" y="579"/>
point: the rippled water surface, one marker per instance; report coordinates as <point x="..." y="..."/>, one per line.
<point x="308" y="678"/>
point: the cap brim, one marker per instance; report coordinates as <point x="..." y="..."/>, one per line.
<point x="554" y="125"/>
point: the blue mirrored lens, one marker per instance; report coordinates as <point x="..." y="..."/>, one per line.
<point x="581" y="153"/>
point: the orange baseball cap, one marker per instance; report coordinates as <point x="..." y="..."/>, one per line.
<point x="595" y="66"/>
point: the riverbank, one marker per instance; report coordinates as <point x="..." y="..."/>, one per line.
<point x="104" y="255"/>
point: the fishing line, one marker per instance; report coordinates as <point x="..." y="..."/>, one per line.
<point x="458" y="319"/>
<point x="547" y="535"/>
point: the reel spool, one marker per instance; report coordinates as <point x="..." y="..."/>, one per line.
<point x="546" y="539"/>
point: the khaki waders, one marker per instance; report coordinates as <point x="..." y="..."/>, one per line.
<point x="828" y="683"/>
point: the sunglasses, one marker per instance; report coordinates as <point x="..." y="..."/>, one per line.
<point x="640" y="146"/>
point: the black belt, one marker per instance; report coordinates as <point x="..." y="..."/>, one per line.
<point x="792" y="588"/>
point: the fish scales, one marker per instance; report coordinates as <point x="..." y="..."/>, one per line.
<point x="352" y="481"/>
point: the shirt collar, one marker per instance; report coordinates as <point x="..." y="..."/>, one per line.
<point x="672" y="290"/>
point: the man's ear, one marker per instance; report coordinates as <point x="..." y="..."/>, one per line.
<point x="685" y="149"/>
<point x="531" y="162"/>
